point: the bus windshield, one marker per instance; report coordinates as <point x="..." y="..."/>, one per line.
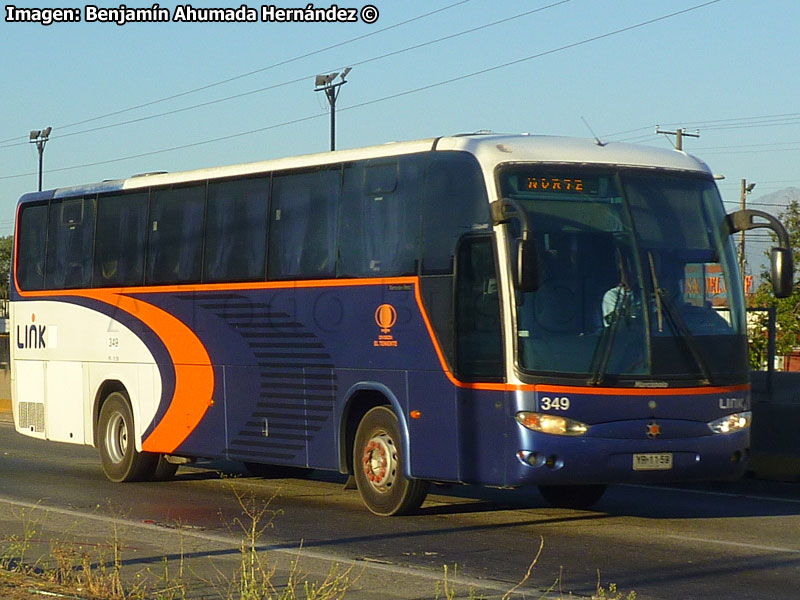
<point x="637" y="278"/>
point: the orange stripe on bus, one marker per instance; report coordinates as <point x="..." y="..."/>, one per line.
<point x="641" y="391"/>
<point x="443" y="363"/>
<point x="104" y="293"/>
<point x="194" y="375"/>
<point x="223" y="287"/>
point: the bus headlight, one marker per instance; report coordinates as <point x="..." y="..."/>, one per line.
<point x="732" y="423"/>
<point x="553" y="424"/>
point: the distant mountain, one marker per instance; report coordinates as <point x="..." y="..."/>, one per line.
<point x="756" y="245"/>
<point x="775" y="202"/>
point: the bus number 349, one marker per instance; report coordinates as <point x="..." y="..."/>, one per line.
<point x="556" y="403"/>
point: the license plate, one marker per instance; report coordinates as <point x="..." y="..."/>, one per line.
<point x="652" y="462"/>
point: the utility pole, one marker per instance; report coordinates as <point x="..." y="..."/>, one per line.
<point x="324" y="83"/>
<point x="679" y="135"/>
<point x="746" y="189"/>
<point x="40" y="137"/>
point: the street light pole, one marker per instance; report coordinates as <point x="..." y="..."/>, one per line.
<point x="324" y="83"/>
<point x="40" y="137"/>
<point x="746" y="189"/>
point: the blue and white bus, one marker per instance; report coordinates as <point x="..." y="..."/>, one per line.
<point x="479" y="309"/>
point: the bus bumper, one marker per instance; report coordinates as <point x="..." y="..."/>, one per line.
<point x="548" y="459"/>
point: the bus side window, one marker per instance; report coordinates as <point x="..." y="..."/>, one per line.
<point x="175" y="242"/>
<point x="31" y="245"/>
<point x="479" y="340"/>
<point x="455" y="203"/>
<point x="120" y="240"/>
<point x="303" y="220"/>
<point x="69" y="243"/>
<point x="236" y="230"/>
<point x="380" y="222"/>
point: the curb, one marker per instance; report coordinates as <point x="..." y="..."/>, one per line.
<point x="6" y="414"/>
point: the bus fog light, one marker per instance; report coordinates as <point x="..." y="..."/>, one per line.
<point x="732" y="423"/>
<point x="530" y="458"/>
<point x="552" y="424"/>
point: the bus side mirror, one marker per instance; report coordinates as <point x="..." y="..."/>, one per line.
<point x="782" y="267"/>
<point x="782" y="272"/>
<point x="527" y="275"/>
<point x="527" y="266"/>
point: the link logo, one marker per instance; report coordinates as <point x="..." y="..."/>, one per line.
<point x="734" y="403"/>
<point x="31" y="336"/>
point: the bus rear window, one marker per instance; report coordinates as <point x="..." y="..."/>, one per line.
<point x="31" y="247"/>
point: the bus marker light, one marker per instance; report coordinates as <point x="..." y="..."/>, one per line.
<point x="415" y="414"/>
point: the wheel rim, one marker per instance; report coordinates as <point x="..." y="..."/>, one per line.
<point x="116" y="438"/>
<point x="380" y="462"/>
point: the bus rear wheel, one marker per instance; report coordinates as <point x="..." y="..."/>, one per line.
<point x="164" y="470"/>
<point x="121" y="462"/>
<point x="378" y="465"/>
<point x="572" y="496"/>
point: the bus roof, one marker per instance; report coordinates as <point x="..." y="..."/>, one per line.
<point x="489" y="149"/>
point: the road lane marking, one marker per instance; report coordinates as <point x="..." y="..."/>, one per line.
<point x="478" y="584"/>
<point x="687" y="538"/>
<point x="713" y="493"/>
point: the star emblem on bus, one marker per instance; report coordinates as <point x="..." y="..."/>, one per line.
<point x="653" y="430"/>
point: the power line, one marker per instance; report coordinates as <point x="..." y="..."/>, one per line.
<point x="307" y="77"/>
<point x="736" y="120"/>
<point x="768" y="204"/>
<point x="627" y="131"/>
<point x="719" y="124"/>
<point x="182" y="147"/>
<point x="255" y="71"/>
<point x="737" y="146"/>
<point x="760" y="183"/>
<point x="398" y="94"/>
<point x="752" y="151"/>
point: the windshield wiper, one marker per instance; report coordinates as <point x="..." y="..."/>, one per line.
<point x="602" y="351"/>
<point x="657" y="289"/>
<point x="678" y="324"/>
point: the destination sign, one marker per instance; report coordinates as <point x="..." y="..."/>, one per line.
<point x="554" y="184"/>
<point x="543" y="182"/>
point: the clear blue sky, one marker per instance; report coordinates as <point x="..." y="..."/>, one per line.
<point x="728" y="68"/>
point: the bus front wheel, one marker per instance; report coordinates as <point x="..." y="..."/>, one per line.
<point x="378" y="465"/>
<point x="121" y="462"/>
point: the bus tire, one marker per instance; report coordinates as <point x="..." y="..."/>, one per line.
<point x="572" y="496"/>
<point x="121" y="462"/>
<point x="164" y="470"/>
<point x="378" y="460"/>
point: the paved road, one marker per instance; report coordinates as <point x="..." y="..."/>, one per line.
<point x="727" y="541"/>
